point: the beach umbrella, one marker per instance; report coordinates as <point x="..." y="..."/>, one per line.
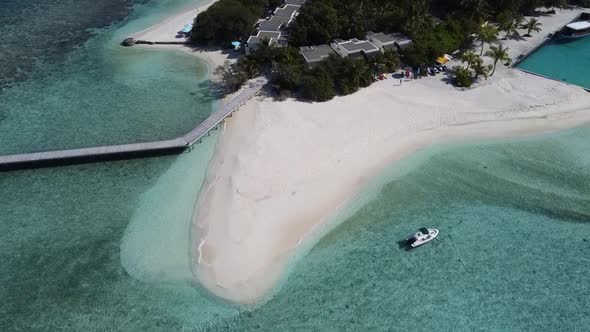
<point x="236" y="44"/>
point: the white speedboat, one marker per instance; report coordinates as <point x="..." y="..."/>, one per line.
<point x="421" y="237"/>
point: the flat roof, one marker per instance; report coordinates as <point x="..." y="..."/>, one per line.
<point x="295" y="2"/>
<point x="270" y="35"/>
<point x="390" y="38"/>
<point x="579" y="25"/>
<point x="274" y="23"/>
<point x="355" y="45"/>
<point x="316" y="53"/>
<point x="287" y="11"/>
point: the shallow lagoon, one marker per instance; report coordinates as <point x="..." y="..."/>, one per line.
<point x="93" y="92"/>
<point x="512" y="254"/>
<point x="514" y="219"/>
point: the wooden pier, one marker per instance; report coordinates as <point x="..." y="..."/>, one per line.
<point x="126" y="151"/>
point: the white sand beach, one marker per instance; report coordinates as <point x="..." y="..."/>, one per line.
<point x="282" y="170"/>
<point x="167" y="30"/>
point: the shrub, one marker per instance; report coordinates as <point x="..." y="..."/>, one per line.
<point x="462" y="76"/>
<point x="226" y="21"/>
<point x="443" y="38"/>
<point x="318" y="85"/>
<point x="232" y="77"/>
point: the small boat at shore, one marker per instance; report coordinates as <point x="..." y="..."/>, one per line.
<point x="424" y="235"/>
<point x="575" y="30"/>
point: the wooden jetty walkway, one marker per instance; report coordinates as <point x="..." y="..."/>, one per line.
<point x="125" y="151"/>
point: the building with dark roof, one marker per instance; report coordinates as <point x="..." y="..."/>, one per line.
<point x="295" y="2"/>
<point x="274" y="27"/>
<point x="315" y="54"/>
<point x="287" y="11"/>
<point x="254" y="42"/>
<point x="354" y="48"/>
<point x="275" y="23"/>
<point x="393" y="41"/>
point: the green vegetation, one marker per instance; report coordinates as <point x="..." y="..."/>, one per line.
<point x="498" y="53"/>
<point x="317" y="85"/>
<point x="510" y="23"/>
<point x="435" y="26"/>
<point x="470" y="58"/>
<point x="226" y="21"/>
<point x="487" y="34"/>
<point x="531" y="25"/>
<point x="437" y="40"/>
<point x="465" y="76"/>
<point x="289" y="74"/>
<point x="462" y="76"/>
<point x="480" y="69"/>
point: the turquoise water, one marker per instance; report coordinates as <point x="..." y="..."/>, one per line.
<point x="101" y="247"/>
<point x="512" y="254"/>
<point x="96" y="92"/>
<point x="563" y="60"/>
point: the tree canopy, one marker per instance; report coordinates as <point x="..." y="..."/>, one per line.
<point x="226" y="21"/>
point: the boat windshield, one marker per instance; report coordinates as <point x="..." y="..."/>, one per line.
<point x="423" y="230"/>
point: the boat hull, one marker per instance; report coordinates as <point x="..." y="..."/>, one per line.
<point x="433" y="234"/>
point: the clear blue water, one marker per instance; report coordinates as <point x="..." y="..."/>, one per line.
<point x="68" y="83"/>
<point x="103" y="246"/>
<point x="512" y="254"/>
<point x="563" y="60"/>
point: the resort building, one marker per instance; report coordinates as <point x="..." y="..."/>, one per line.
<point x="274" y="37"/>
<point x="295" y="2"/>
<point x="289" y="11"/>
<point x="354" y="48"/>
<point x="316" y="54"/>
<point x="275" y="23"/>
<point x="274" y="28"/>
<point x="389" y="41"/>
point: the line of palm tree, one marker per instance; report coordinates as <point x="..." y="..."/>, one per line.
<point x="531" y="25"/>
<point x="498" y="53"/>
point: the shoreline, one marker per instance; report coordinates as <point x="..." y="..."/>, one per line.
<point x="282" y="171"/>
<point x="166" y="30"/>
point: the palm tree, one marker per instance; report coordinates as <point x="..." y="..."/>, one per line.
<point x="356" y="19"/>
<point x="531" y="25"/>
<point x="391" y="60"/>
<point x="415" y="13"/>
<point x="479" y="69"/>
<point x="469" y="58"/>
<point x="511" y="26"/>
<point x="487" y="34"/>
<point x="498" y="53"/>
<point x="462" y="76"/>
<point x="476" y="10"/>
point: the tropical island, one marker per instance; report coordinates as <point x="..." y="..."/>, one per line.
<point x="278" y="44"/>
<point x="285" y="170"/>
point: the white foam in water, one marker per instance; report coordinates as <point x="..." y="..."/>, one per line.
<point x="155" y="246"/>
